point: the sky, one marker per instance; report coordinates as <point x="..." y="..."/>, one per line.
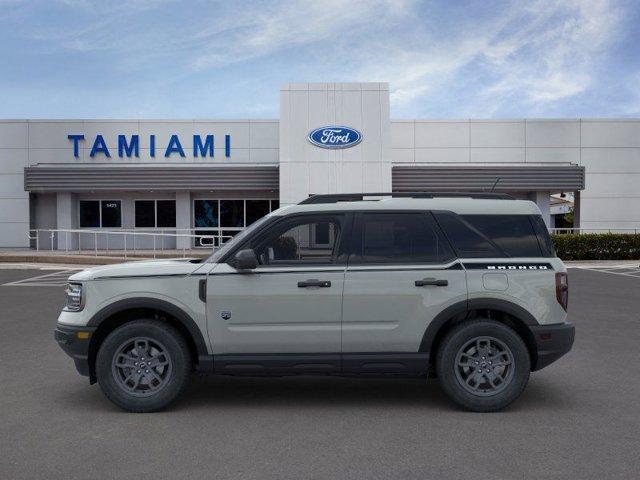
<point x="228" y="59"/>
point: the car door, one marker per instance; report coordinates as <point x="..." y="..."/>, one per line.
<point x="402" y="272"/>
<point x="291" y="303"/>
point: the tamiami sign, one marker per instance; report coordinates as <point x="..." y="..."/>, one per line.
<point x="129" y="146"/>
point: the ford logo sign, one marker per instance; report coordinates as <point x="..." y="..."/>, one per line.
<point x="335" y="136"/>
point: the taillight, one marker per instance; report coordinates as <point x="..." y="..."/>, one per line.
<point x="562" y="289"/>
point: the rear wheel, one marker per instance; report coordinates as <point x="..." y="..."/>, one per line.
<point x="143" y="365"/>
<point x="483" y="365"/>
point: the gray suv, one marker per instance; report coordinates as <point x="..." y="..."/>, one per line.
<point x="465" y="287"/>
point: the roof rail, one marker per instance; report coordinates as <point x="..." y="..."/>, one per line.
<point x="356" y="197"/>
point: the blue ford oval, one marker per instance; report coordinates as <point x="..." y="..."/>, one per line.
<point x="335" y="136"/>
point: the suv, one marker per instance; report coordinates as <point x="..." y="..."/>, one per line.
<point x="463" y="287"/>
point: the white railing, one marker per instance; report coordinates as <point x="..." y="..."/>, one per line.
<point x="594" y="230"/>
<point x="125" y="242"/>
<point x="150" y="242"/>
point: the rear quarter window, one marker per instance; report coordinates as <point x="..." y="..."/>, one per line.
<point x="546" y="244"/>
<point x="476" y="236"/>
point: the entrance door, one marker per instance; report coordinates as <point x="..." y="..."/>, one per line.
<point x="401" y="274"/>
<point x="290" y="304"/>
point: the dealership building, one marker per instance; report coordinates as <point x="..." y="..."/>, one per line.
<point x="203" y="176"/>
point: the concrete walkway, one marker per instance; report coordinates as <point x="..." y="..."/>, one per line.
<point x="89" y="257"/>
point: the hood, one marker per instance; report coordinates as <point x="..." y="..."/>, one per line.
<point x="145" y="268"/>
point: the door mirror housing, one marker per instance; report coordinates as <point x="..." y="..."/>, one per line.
<point x="245" y="260"/>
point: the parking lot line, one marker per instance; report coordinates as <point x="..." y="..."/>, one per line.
<point x="54" y="279"/>
<point x="621" y="270"/>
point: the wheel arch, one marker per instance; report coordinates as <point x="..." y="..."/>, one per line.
<point x="504" y="311"/>
<point x="127" y="310"/>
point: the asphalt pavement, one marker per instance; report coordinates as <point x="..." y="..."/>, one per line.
<point x="578" y="418"/>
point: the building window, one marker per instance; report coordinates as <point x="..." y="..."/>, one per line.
<point x="100" y="213"/>
<point x="230" y="216"/>
<point x="256" y="209"/>
<point x="232" y="213"/>
<point x="145" y="213"/>
<point x="166" y="213"/>
<point x="205" y="213"/>
<point x="155" y="213"/>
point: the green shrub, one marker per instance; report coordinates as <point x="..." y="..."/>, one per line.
<point x="597" y="246"/>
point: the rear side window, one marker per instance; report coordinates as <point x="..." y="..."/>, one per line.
<point x="400" y="238"/>
<point x="476" y="236"/>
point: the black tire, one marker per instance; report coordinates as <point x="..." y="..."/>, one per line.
<point x="454" y="351"/>
<point x="169" y="380"/>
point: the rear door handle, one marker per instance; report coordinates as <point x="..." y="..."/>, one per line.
<point x="431" y="281"/>
<point x="314" y="283"/>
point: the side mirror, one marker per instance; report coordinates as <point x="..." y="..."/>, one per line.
<point x="245" y="260"/>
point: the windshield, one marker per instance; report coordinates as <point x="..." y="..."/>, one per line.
<point x="239" y="238"/>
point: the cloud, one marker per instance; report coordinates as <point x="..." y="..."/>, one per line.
<point x="534" y="53"/>
<point x="553" y="56"/>
<point x="470" y="58"/>
<point x="280" y="26"/>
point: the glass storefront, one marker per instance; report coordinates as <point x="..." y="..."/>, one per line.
<point x="225" y="218"/>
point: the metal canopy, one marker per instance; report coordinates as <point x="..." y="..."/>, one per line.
<point x="554" y="178"/>
<point x="39" y="178"/>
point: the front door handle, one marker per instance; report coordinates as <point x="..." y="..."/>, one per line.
<point x="314" y="283"/>
<point x="431" y="281"/>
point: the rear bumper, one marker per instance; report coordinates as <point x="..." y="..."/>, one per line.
<point x="74" y="345"/>
<point x="552" y="342"/>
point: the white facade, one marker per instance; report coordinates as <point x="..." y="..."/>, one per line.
<point x="608" y="149"/>
<point x="306" y="169"/>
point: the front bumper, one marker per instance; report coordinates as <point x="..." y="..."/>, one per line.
<point x="552" y="342"/>
<point x="75" y="343"/>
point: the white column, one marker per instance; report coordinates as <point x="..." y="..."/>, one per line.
<point x="183" y="219"/>
<point x="307" y="169"/>
<point x="66" y="218"/>
<point x="542" y="200"/>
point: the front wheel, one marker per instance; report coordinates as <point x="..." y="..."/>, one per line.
<point x="483" y="365"/>
<point x="143" y="365"/>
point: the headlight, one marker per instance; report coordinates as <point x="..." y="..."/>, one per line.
<point x="75" y="300"/>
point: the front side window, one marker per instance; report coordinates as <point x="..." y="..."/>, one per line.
<point x="306" y="240"/>
<point x="399" y="238"/>
<point x="100" y="213"/>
